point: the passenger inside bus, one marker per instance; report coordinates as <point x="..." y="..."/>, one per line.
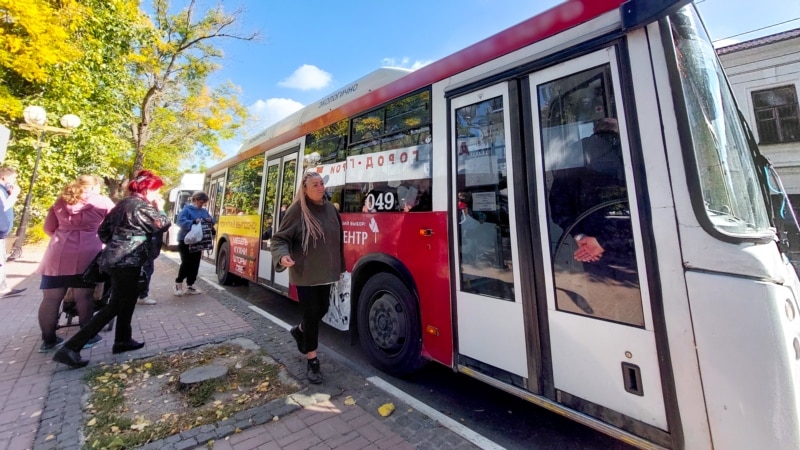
<point x="416" y="197"/>
<point x="590" y="202"/>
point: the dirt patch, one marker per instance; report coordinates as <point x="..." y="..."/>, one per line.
<point x="142" y="401"/>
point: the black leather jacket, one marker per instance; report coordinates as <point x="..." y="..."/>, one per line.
<point x="125" y="231"/>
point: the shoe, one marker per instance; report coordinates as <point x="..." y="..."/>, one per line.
<point x="178" y="290"/>
<point x="192" y="291"/>
<point x="11" y="292"/>
<point x="92" y="342"/>
<point x="46" y="347"/>
<point x="313" y="372"/>
<point x="147" y="301"/>
<point x="126" y="346"/>
<point x="298" y="337"/>
<point x="70" y="358"/>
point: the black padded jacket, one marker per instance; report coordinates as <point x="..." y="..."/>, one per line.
<point x="126" y="229"/>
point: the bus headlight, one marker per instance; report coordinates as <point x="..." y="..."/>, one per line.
<point x="790" y="313"/>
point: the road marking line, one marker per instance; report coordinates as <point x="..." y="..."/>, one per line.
<point x="212" y="283"/>
<point x="446" y="422"/>
<point x="269" y="316"/>
<point x="452" y="425"/>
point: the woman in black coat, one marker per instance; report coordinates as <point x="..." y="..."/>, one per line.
<point x="126" y="231"/>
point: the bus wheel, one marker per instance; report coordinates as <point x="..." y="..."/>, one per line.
<point x="389" y="325"/>
<point x="223" y="275"/>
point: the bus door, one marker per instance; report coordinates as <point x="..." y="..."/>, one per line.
<point x="281" y="178"/>
<point x="489" y="311"/>
<point x="215" y="187"/>
<point x="599" y="322"/>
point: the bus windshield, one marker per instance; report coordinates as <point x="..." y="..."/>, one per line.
<point x="729" y="184"/>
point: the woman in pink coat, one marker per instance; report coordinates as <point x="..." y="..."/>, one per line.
<point x="72" y="224"/>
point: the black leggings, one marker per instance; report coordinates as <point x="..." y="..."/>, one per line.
<point x="190" y="264"/>
<point x="314" y="302"/>
<point x="124" y="293"/>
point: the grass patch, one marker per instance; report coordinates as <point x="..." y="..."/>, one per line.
<point x="138" y="402"/>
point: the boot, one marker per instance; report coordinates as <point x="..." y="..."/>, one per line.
<point x="313" y="372"/>
<point x="73" y="358"/>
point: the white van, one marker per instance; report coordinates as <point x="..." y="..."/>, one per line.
<point x="178" y="197"/>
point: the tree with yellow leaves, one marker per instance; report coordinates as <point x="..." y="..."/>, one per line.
<point x="179" y="113"/>
<point x="34" y="37"/>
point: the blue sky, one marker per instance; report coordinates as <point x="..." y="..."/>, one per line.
<point x="309" y="48"/>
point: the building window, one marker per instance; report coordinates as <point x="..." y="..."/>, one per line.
<point x="776" y="115"/>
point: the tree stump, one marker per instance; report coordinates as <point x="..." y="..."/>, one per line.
<point x="201" y="374"/>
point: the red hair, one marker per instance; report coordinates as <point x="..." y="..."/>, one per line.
<point x="144" y="180"/>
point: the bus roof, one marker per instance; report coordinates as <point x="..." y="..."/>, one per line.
<point x="315" y="116"/>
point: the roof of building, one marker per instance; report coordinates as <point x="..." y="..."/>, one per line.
<point x="771" y="39"/>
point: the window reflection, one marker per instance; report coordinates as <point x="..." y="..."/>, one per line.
<point x="244" y="187"/>
<point x="267" y="222"/>
<point x="481" y="183"/>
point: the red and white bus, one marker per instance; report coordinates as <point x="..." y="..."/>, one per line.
<point x="572" y="210"/>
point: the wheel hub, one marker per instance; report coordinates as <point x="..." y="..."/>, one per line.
<point x="387" y="323"/>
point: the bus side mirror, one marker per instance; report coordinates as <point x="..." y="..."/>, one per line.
<point x="173" y="195"/>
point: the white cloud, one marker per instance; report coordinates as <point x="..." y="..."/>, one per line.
<point x="307" y="77"/>
<point x="404" y="63"/>
<point x="264" y="113"/>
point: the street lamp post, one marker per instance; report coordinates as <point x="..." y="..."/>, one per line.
<point x="36" y="122"/>
<point x="312" y="159"/>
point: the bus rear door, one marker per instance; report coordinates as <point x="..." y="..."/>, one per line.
<point x="281" y="170"/>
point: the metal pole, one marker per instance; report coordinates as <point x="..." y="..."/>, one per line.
<point x="16" y="251"/>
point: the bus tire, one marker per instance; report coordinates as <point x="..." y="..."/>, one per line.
<point x="223" y="274"/>
<point x="389" y="325"/>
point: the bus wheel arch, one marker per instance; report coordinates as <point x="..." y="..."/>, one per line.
<point x="388" y="318"/>
<point x="224" y="276"/>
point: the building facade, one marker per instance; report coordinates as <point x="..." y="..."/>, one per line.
<point x="765" y="76"/>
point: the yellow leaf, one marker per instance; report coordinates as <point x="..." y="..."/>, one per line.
<point x="386" y="409"/>
<point x="92" y="422"/>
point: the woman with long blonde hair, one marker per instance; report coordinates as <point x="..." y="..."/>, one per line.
<point x="310" y="243"/>
<point x="72" y="224"/>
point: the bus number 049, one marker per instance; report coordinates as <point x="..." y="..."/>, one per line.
<point x="383" y="201"/>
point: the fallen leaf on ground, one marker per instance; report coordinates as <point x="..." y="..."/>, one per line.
<point x="386" y="409"/>
<point x="349" y="401"/>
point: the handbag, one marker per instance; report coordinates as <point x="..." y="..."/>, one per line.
<point x="93" y="273"/>
<point x="207" y="242"/>
<point x="141" y="282"/>
<point x="194" y="235"/>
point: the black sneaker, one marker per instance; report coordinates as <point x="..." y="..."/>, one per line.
<point x="298" y="337"/>
<point x="313" y="372"/>
<point x="47" y="346"/>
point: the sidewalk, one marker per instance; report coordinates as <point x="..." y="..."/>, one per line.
<point x="40" y="401"/>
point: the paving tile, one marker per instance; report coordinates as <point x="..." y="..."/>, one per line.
<point x="38" y="397"/>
